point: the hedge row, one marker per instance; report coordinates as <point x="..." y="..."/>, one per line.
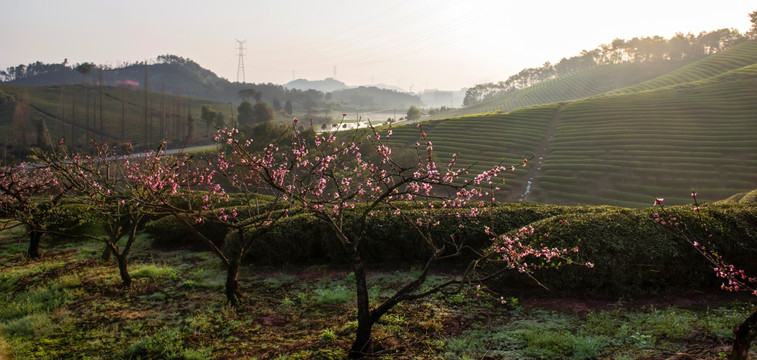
<point x="630" y="251"/>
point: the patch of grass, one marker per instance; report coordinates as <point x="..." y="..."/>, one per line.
<point x="29" y="325"/>
<point x="164" y="344"/>
<point x="9" y="278"/>
<point x="69" y="281"/>
<point x="152" y="271"/>
<point x="38" y="300"/>
<point x="336" y="295"/>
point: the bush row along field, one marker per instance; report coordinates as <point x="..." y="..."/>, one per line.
<point x="625" y="148"/>
<point x="69" y="304"/>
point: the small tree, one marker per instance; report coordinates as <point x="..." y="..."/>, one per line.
<point x="262" y="113"/>
<point x="104" y="183"/>
<point x="29" y="195"/>
<point x="216" y="191"/>
<point x="245" y="112"/>
<point x="413" y="113"/>
<point x="208" y="115"/>
<point x="288" y="107"/>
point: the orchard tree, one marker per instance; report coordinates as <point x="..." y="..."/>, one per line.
<point x="106" y="184"/>
<point x="345" y="185"/>
<point x="30" y="196"/>
<point x="215" y="191"/>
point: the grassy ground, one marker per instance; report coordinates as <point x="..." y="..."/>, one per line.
<point x="69" y="305"/>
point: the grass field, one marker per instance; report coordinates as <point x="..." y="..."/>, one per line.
<point x="70" y="305"/>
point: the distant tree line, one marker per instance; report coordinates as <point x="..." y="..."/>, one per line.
<point x="637" y="50"/>
<point x="22" y="71"/>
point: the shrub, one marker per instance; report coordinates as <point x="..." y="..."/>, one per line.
<point x="169" y="232"/>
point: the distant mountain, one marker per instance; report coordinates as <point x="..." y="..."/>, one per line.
<point x="325" y="85"/>
<point x="387" y="87"/>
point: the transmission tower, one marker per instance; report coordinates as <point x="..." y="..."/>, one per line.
<point x="240" y="66"/>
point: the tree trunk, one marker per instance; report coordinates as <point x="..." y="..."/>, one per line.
<point x="232" y="285"/>
<point x="362" y="344"/>
<point x="107" y="252"/>
<point x="743" y="334"/>
<point x="124" y="271"/>
<point x="34" y="240"/>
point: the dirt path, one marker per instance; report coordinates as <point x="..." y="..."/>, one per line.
<point x="540" y="154"/>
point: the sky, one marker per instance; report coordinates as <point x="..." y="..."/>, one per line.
<point x="413" y="44"/>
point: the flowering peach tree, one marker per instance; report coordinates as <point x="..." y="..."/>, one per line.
<point x="345" y="181"/>
<point x="110" y="185"/>
<point x="734" y="279"/>
<point x="30" y="196"/>
<point x="214" y="190"/>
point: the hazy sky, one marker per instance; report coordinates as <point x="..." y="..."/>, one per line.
<point x="444" y="44"/>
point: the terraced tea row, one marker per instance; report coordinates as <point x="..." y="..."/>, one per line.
<point x="655" y="143"/>
<point x="739" y="56"/>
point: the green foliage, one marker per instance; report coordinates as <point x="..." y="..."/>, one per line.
<point x="328" y="335"/>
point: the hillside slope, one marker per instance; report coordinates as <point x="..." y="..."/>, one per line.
<point x="73" y="112"/>
<point x="615" y="79"/>
<point x="581" y="84"/>
<point x="623" y="148"/>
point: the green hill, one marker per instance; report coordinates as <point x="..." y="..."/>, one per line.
<point x="613" y="79"/>
<point x="626" y="147"/>
<point x="596" y="80"/>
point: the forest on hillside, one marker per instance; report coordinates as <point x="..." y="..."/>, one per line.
<point x="681" y="47"/>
